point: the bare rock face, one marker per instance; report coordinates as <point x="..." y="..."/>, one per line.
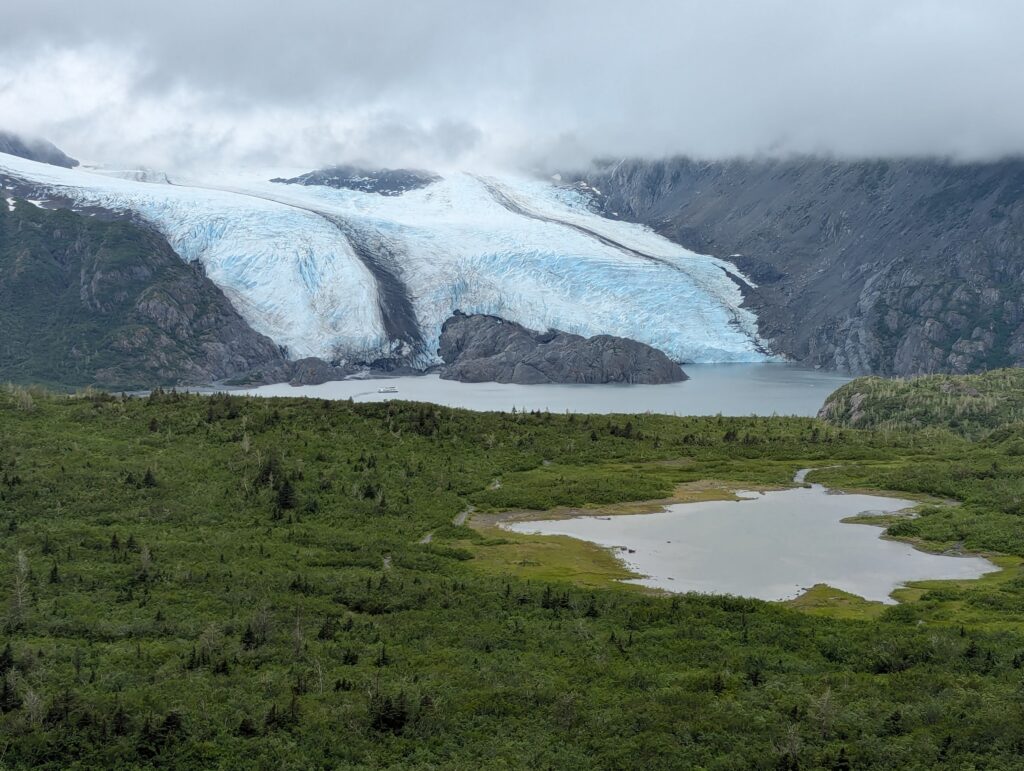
<point x="891" y="267"/>
<point x="479" y="349"/>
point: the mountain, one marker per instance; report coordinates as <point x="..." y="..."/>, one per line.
<point x="35" y="150"/>
<point x="358" y="278"/>
<point x="885" y="267"/>
<point x="480" y="348"/>
<point x="888" y="267"/>
<point x="86" y="300"/>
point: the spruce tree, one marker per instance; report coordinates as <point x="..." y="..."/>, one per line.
<point x="286" y="495"/>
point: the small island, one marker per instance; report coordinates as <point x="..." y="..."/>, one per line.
<point x="478" y="348"/>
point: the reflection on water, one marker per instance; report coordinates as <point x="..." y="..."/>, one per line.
<point x="729" y="389"/>
<point x="771" y="546"/>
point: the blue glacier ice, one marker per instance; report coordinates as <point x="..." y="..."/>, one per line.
<point x="516" y="247"/>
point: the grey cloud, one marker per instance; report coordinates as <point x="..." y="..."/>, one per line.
<point x="531" y="82"/>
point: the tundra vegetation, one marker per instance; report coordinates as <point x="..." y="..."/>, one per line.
<point x="222" y="581"/>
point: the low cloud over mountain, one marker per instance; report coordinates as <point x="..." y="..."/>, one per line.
<point x="454" y="82"/>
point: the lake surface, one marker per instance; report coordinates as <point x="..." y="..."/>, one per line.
<point x="729" y="389"/>
<point x="771" y="546"/>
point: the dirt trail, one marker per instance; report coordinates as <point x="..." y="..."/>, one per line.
<point x="459" y="520"/>
<point x="463" y="516"/>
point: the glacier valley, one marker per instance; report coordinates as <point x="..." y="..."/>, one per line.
<point x="356" y="277"/>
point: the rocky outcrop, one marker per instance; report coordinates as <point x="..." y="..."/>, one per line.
<point x="85" y="301"/>
<point x="888" y="267"/>
<point x="314" y="371"/>
<point x="35" y="150"/>
<point x="381" y="181"/>
<point x="481" y="348"/>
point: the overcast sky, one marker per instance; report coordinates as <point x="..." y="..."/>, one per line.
<point x="468" y="82"/>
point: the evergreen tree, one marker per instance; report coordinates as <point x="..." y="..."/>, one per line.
<point x="9" y="700"/>
<point x="249" y="640"/>
<point x="6" y="660"/>
<point x="286" y="495"/>
<point x="246" y="728"/>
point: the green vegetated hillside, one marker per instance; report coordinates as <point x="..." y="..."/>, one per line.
<point x="971" y="405"/>
<point x="228" y="582"/>
<point x="91" y="302"/>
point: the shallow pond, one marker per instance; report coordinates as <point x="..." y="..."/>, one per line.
<point x="729" y="389"/>
<point x="770" y="545"/>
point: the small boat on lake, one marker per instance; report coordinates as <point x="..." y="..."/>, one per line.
<point x="387" y="390"/>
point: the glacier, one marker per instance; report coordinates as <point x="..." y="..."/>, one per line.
<point x="356" y="277"/>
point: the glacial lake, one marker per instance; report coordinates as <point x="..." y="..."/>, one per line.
<point x="729" y="389"/>
<point x="771" y="545"/>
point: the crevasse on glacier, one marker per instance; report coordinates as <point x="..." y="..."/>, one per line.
<point x="320" y="270"/>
